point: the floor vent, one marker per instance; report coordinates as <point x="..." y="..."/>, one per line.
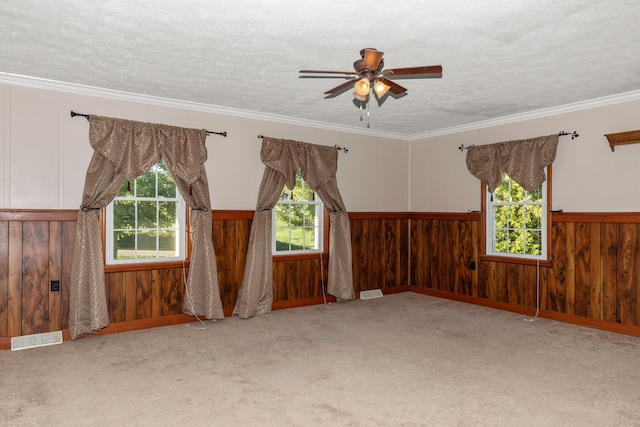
<point x="36" y="340"/>
<point x="375" y="293"/>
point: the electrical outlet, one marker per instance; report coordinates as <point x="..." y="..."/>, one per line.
<point x="55" y="285"/>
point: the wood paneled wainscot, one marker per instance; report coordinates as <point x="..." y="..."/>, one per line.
<point x="593" y="279"/>
<point x="36" y="246"/>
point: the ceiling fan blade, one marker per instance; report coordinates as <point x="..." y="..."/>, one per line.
<point x="327" y="72"/>
<point x="414" y="72"/>
<point x="372" y="58"/>
<point x="394" y="87"/>
<point x="341" y="87"/>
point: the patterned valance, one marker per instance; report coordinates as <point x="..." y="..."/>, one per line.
<point x="523" y="160"/>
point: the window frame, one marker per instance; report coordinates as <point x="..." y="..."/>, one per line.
<point x="323" y="239"/>
<point x="183" y="214"/>
<point x="511" y="258"/>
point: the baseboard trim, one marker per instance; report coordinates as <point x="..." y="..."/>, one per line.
<point x="530" y="311"/>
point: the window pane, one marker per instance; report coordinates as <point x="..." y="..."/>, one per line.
<point x="168" y="214"/>
<point x="536" y="195"/>
<point x="283" y="239"/>
<point x="500" y="216"/>
<point x="501" y="242"/>
<point x="534" y="242"/>
<point x="124" y="245"/>
<point x="166" y="186"/>
<point x="533" y="216"/>
<point x="297" y="215"/>
<point x="516" y="241"/>
<point x="124" y="214"/>
<point x="147" y="214"/>
<point x="310" y="238"/>
<point x="146" y="184"/>
<point x="501" y="194"/>
<point x="310" y="215"/>
<point x="283" y="214"/>
<point x="517" y="192"/>
<point x="147" y="244"/>
<point x="516" y="217"/>
<point x="297" y="239"/>
<point x="167" y="243"/>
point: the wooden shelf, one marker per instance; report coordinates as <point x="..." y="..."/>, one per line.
<point x="623" y="138"/>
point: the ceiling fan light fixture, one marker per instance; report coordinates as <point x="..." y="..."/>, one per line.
<point x="359" y="97"/>
<point x="380" y="88"/>
<point x="363" y="86"/>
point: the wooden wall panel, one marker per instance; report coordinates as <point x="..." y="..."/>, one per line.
<point x="609" y="262"/>
<point x="594" y="271"/>
<point x="35" y="277"/>
<point x="14" y="303"/>
<point x="4" y="278"/>
<point x="116" y="296"/>
<point x="628" y="265"/>
<point x="68" y="237"/>
<point x="144" y="292"/>
<point x="55" y="272"/>
<point x="379" y="251"/>
<point x="172" y="291"/>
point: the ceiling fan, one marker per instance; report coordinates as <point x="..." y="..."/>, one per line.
<point x="369" y="73"/>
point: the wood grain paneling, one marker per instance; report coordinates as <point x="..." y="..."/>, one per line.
<point x="4" y="278"/>
<point x="14" y="301"/>
<point x="379" y="251"/>
<point x="35" y="287"/>
<point x="593" y="273"/>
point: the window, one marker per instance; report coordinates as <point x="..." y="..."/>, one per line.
<point x="516" y="220"/>
<point x="146" y="220"/>
<point x="298" y="221"/>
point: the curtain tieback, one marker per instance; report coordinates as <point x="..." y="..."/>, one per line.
<point x="87" y="209"/>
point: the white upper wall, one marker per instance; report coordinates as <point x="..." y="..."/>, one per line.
<point x="45" y="152"/>
<point x="587" y="176"/>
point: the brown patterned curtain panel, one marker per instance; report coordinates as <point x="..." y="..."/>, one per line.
<point x="318" y="165"/>
<point x="123" y="150"/>
<point x="523" y="160"/>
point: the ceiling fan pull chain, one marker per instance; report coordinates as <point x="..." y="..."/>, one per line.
<point x="368" y="114"/>
<point x="360" y="110"/>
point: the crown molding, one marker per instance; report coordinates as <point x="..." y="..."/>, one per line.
<point x="78" y="89"/>
<point x="39" y="83"/>
<point x="530" y="115"/>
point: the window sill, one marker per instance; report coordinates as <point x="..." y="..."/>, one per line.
<point x="299" y="257"/>
<point x="515" y="260"/>
<point x="166" y="265"/>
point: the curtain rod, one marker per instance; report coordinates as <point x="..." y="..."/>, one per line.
<point x="573" y="134"/>
<point x="86" y="116"/>
<point x="346" y="150"/>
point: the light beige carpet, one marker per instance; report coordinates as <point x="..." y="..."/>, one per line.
<point x="401" y="360"/>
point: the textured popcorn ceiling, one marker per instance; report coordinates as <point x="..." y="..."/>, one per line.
<point x="499" y="57"/>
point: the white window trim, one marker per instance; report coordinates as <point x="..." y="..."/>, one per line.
<point x="319" y="227"/>
<point x="490" y="221"/>
<point x="181" y="232"/>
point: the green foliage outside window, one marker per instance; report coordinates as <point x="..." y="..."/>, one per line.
<point x="517" y="219"/>
<point x="296" y="218"/>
